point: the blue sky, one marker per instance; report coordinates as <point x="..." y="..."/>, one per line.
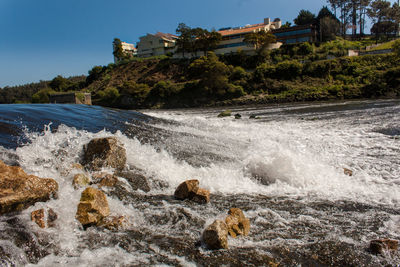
<point x="40" y="39"/>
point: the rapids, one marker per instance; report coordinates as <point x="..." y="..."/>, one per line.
<point x="283" y="169"/>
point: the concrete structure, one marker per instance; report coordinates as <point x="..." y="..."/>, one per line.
<point x="156" y="44"/>
<point x="232" y="38"/>
<point x="128" y="49"/>
<point x="71" y="98"/>
<point x="296" y="34"/>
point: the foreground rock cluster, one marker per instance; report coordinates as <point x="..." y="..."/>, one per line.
<point x="19" y="190"/>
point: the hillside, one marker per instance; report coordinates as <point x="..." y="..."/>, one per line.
<point x="292" y="73"/>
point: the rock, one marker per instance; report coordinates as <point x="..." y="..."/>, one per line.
<point x="104" y="152"/>
<point x="19" y="190"/>
<point x="379" y="246"/>
<point x="243" y="224"/>
<point x="104" y="179"/>
<point x="348" y="172"/>
<point x="80" y="180"/>
<point x="136" y="180"/>
<point x="39" y="217"/>
<point x="51" y="218"/>
<point x="226" y="113"/>
<point x="238" y="116"/>
<point x="186" y="189"/>
<point x="215" y="236"/>
<point x="93" y="207"/>
<point x="232" y="225"/>
<point x="252" y="116"/>
<point x="77" y="166"/>
<point x="114" y="223"/>
<point x="201" y="196"/>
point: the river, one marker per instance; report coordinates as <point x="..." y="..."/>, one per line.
<point x="284" y="169"/>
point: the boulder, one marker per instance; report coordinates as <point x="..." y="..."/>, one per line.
<point x="215" y="236"/>
<point x="237" y="223"/>
<point x="379" y="246"/>
<point x="39" y="217"/>
<point x="104" y="152"/>
<point x="201" y="196"/>
<point x="19" y="190"/>
<point x="92" y="208"/>
<point x="80" y="180"/>
<point x="187" y="189"/>
<point x="238" y="116"/>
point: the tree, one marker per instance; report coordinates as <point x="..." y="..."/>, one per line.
<point x="396" y="48"/>
<point x="118" y="52"/>
<point x="286" y="25"/>
<point x="379" y="12"/>
<point x="185" y="38"/>
<point x="207" y="41"/>
<point x="60" y="83"/>
<point x="362" y="13"/>
<point x="328" y="25"/>
<point x="260" y="40"/>
<point x="305" y="17"/>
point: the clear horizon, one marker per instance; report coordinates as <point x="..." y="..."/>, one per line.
<point x="45" y="38"/>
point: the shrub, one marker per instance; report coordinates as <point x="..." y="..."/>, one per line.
<point x="42" y="96"/>
<point x="288" y="70"/>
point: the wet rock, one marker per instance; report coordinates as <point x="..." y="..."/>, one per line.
<point x="136" y="180"/>
<point x="252" y="116"/>
<point x="104" y="152"/>
<point x="19" y="190"/>
<point x="93" y="207"/>
<point x="238" y="116"/>
<point x="80" y="180"/>
<point x="379" y="246"/>
<point x="39" y="217"/>
<point x="226" y="113"/>
<point x="347" y="172"/>
<point x="104" y="179"/>
<point x="77" y="166"/>
<point x="237" y="223"/>
<point x="201" y="196"/>
<point x="51" y="218"/>
<point x="187" y="189"/>
<point x="114" y="223"/>
<point x="215" y="236"/>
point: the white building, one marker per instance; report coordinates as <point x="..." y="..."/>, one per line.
<point x="156" y="44"/>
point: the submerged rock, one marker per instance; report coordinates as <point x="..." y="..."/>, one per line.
<point x="186" y="189"/>
<point x="215" y="236"/>
<point x="104" y="179"/>
<point x="347" y="172"/>
<point x="19" y="190"/>
<point x="136" y="180"/>
<point x="39" y="217"/>
<point x="379" y="246"/>
<point x="226" y="113"/>
<point x="93" y="207"/>
<point x="238" y="116"/>
<point x="104" y="152"/>
<point x="80" y="180"/>
<point x="114" y="223"/>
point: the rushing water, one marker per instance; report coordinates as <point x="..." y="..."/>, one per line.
<point x="284" y="170"/>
